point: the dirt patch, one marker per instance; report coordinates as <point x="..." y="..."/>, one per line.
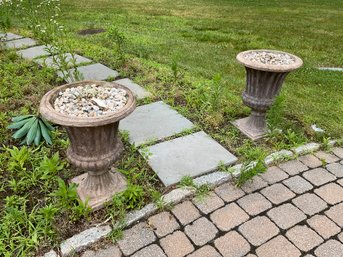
<point x="85" y="32"/>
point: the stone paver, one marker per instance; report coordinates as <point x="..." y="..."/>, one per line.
<point x="273" y="175"/>
<point x="310" y="160"/>
<point x="331" y="193"/>
<point x="154" y="121"/>
<point x="176" y="245"/>
<point x="258" y="230"/>
<point x="340" y="237"/>
<point x="254" y="203"/>
<point x="327" y="157"/>
<point x="277" y="193"/>
<point x="208" y="204"/>
<point x="319" y="176"/>
<point x="336" y="169"/>
<point x="278" y="247"/>
<point x="338" y="151"/>
<point x="323" y="226"/>
<point x="297" y="184"/>
<point x="207" y="251"/>
<point x="335" y="213"/>
<point x="309" y="203"/>
<point x="33" y="52"/>
<point x="304" y="238"/>
<point x="9" y="36"/>
<point x="55" y="62"/>
<point x="286" y="216"/>
<point x="138" y="91"/>
<point x="229" y="217"/>
<point x="293" y="167"/>
<point x="331" y="248"/>
<point x="232" y="244"/>
<point x="136" y="238"/>
<point x="19" y="43"/>
<point x="109" y="251"/>
<point x="229" y="192"/>
<point x="191" y="155"/>
<point x="150" y="251"/>
<point x="253" y="185"/>
<point x="186" y="212"/>
<point x="201" y="231"/>
<point x="340" y="182"/>
<point x="95" y="71"/>
<point x="163" y="224"/>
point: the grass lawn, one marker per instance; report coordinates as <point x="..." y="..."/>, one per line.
<point x="184" y="53"/>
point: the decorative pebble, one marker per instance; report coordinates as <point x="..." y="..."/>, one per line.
<point x="269" y="58"/>
<point x="90" y="100"/>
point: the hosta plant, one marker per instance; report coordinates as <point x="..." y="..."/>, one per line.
<point x="32" y="129"/>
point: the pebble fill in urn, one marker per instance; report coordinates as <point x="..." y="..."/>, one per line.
<point x="265" y="73"/>
<point x="94" y="142"/>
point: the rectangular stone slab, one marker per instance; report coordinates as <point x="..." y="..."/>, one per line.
<point x="95" y="71"/>
<point x="192" y="155"/>
<point x="19" y="43"/>
<point x="49" y="61"/>
<point x="153" y="122"/>
<point x="33" y="52"/>
<point x="9" y="36"/>
<point x="138" y="91"/>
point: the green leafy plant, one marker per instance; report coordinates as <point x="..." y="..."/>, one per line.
<point x="32" y="129"/>
<point x="250" y="170"/>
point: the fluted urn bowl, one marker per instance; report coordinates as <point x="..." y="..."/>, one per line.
<point x="94" y="144"/>
<point x="265" y="73"/>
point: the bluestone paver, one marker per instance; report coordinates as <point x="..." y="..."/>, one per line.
<point x="19" y="43"/>
<point x="154" y="121"/>
<point x="163" y="223"/>
<point x="331" y="193"/>
<point x="229" y="217"/>
<point x="286" y="215"/>
<point x="258" y="230"/>
<point x="336" y="169"/>
<point x="304" y="238"/>
<point x="297" y="184"/>
<point x="229" y="192"/>
<point x="277" y="193"/>
<point x="310" y="160"/>
<point x="137" y="90"/>
<point x="33" y="52"/>
<point x="254" y="203"/>
<point x="95" y="71"/>
<point x="273" y="175"/>
<point x="150" y="251"/>
<point x="331" y="248"/>
<point x="323" y="226"/>
<point x="55" y="61"/>
<point x="335" y="214"/>
<point x="309" y="203"/>
<point x="278" y="247"/>
<point x="232" y="244"/>
<point x="206" y="250"/>
<point x="327" y="157"/>
<point x="191" y="155"/>
<point x="293" y="167"/>
<point x="186" y="212"/>
<point x="318" y="176"/>
<point x="201" y="231"/>
<point x="9" y="36"/>
<point x="176" y="245"/>
<point x="209" y="203"/>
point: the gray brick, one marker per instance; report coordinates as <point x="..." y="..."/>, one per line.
<point x="273" y="175"/>
<point x="208" y="204"/>
<point x="253" y="185"/>
<point x="176" y="245"/>
<point x="163" y="223"/>
<point x="186" y="212"/>
<point x="319" y="176"/>
<point x="254" y="203"/>
<point x="335" y="213"/>
<point x="232" y="244"/>
<point x="336" y="169"/>
<point x="286" y="216"/>
<point x="109" y="251"/>
<point x="331" y="248"/>
<point x="293" y="167"/>
<point x="136" y="238"/>
<point x="228" y="192"/>
<point x="323" y="226"/>
<point x="311" y="161"/>
<point x="207" y="251"/>
<point x="338" y="151"/>
<point x="331" y="193"/>
<point x="201" y="231"/>
<point x="297" y="184"/>
<point x="327" y="157"/>
<point x="277" y="193"/>
<point x="278" y="247"/>
<point x="150" y="251"/>
<point x="310" y="203"/>
<point x="258" y="230"/>
<point x="304" y="238"/>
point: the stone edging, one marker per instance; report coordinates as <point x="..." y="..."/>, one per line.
<point x="89" y="236"/>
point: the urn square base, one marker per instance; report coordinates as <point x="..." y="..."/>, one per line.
<point x="95" y="199"/>
<point x="248" y="130"/>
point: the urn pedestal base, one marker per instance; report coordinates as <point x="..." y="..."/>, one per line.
<point x="245" y="126"/>
<point x="99" y="190"/>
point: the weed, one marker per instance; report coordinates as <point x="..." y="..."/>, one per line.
<point x="186" y="181"/>
<point x="248" y="171"/>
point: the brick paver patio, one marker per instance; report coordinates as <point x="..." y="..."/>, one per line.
<point x="294" y="209"/>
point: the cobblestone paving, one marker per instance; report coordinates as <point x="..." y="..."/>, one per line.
<point x="294" y="209"/>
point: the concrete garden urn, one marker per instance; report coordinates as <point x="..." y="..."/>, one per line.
<point x="94" y="142"/>
<point x="265" y="73"/>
